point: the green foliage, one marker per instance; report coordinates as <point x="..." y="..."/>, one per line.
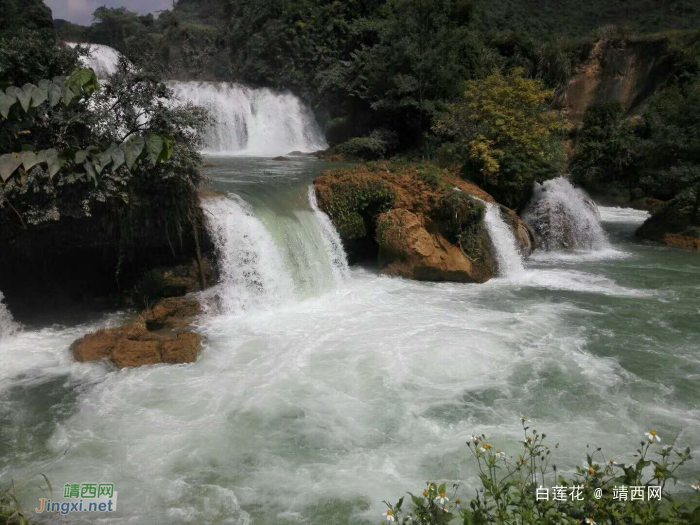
<point x="462" y="217"/>
<point x="509" y="488"/>
<point x="373" y="147"/>
<point x="355" y="207"/>
<point x="505" y="135"/>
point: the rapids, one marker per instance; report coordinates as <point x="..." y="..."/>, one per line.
<point x="323" y="389"/>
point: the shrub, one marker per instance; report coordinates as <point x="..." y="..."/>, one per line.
<point x="363" y="148"/>
<point x="512" y="491"/>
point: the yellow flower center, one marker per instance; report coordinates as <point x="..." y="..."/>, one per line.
<point x="487" y="446"/>
<point x="442" y="494"/>
<point x="591" y="471"/>
<point x="425" y="493"/>
<point x="390" y="513"/>
<point x="528" y="439"/>
<point x="458" y="501"/>
<point x="653" y="432"/>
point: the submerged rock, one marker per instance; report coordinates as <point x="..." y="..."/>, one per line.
<point x="151" y="339"/>
<point x="281" y="159"/>
<point x="417" y="221"/>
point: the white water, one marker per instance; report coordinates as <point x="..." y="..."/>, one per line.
<point x="314" y="401"/>
<point x="247" y="121"/>
<point x="508" y="257"/>
<point x="564" y="217"/>
<point x="7" y="324"/>
<point x="331" y="240"/>
<point x="103" y="59"/>
<point x="253" y="121"/>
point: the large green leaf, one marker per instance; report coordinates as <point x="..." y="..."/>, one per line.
<point x="67" y="96"/>
<point x="117" y="156"/>
<point x="8" y="164"/>
<point x="80" y="156"/>
<point x="53" y="161"/>
<point x="29" y="159"/>
<point x="55" y="93"/>
<point x="155" y="147"/>
<point x="168" y="148"/>
<point x="24" y="96"/>
<point x="6" y="102"/>
<point x="40" y="95"/>
<point x="132" y="149"/>
<point x="83" y="81"/>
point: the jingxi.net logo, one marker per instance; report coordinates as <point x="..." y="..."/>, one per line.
<point x="82" y="497"/>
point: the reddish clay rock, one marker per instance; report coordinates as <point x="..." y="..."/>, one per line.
<point x="134" y="345"/>
<point x="409" y="250"/>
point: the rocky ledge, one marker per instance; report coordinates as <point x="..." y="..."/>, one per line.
<point x="416" y="220"/>
<point x="675" y="223"/>
<point x="160" y="335"/>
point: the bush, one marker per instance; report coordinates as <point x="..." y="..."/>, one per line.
<point x="512" y="491"/>
<point x="363" y="148"/>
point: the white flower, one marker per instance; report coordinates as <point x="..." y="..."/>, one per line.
<point x="390" y="516"/>
<point x="653" y="435"/>
<point x="474" y="439"/>
<point x="612" y="462"/>
<point x="590" y="521"/>
<point x="485" y="447"/>
<point x="442" y="499"/>
<point x="500" y="454"/>
<point x="696" y="486"/>
<point x="523" y="418"/>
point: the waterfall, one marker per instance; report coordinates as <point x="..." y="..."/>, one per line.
<point x="331" y="240"/>
<point x="7" y="324"/>
<point x="103" y="59"/>
<point x="252" y="121"/>
<point x="510" y="262"/>
<point x="268" y="258"/>
<point x="564" y="217"/>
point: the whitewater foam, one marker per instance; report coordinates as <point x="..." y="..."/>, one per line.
<point x="103" y="59"/>
<point x="565" y="218"/>
<point x="252" y="121"/>
<point x="331" y="240"/>
<point x="7" y="323"/>
<point x="510" y="262"/>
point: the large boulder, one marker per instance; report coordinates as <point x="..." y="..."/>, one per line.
<point x="672" y="224"/>
<point x="416" y="220"/>
<point x="158" y="336"/>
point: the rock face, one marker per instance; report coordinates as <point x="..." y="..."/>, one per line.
<point x="416" y="221"/>
<point x="626" y="72"/>
<point x="672" y="224"/>
<point x="147" y="340"/>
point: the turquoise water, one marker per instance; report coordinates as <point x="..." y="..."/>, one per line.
<point x="322" y="392"/>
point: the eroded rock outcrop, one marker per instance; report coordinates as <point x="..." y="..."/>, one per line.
<point x="417" y="221"/>
<point x="673" y="224"/>
<point x="158" y="336"/>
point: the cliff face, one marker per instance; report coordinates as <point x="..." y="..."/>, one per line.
<point x="626" y="72"/>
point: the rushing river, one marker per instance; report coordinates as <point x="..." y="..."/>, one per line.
<point x="323" y="390"/>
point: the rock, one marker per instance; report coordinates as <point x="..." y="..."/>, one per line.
<point x="281" y="159"/>
<point x="135" y="345"/>
<point x="672" y="224"/>
<point x="174" y="312"/>
<point x="408" y="250"/>
<point x="417" y="220"/>
<point x="184" y="349"/>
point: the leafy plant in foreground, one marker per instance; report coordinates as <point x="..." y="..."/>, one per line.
<point x="512" y="490"/>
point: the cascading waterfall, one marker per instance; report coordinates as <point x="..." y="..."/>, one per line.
<point x="565" y="218"/>
<point x="508" y="257"/>
<point x="7" y="323"/>
<point x="331" y="240"/>
<point x="103" y="59"/>
<point x="252" y="121"/>
<point x="268" y="258"/>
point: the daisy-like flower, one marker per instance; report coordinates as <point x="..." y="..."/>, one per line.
<point x="591" y="471"/>
<point x="523" y="418"/>
<point x="390" y="518"/>
<point x="442" y="499"/>
<point x="696" y="486"/>
<point x="528" y="440"/>
<point x="474" y="439"/>
<point x="653" y="435"/>
<point x="485" y="447"/>
<point x="590" y="521"/>
<point x="425" y="493"/>
<point x="500" y="454"/>
<point x="458" y="502"/>
<point x="612" y="462"/>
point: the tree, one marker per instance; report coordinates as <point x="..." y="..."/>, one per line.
<point x="505" y="135"/>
